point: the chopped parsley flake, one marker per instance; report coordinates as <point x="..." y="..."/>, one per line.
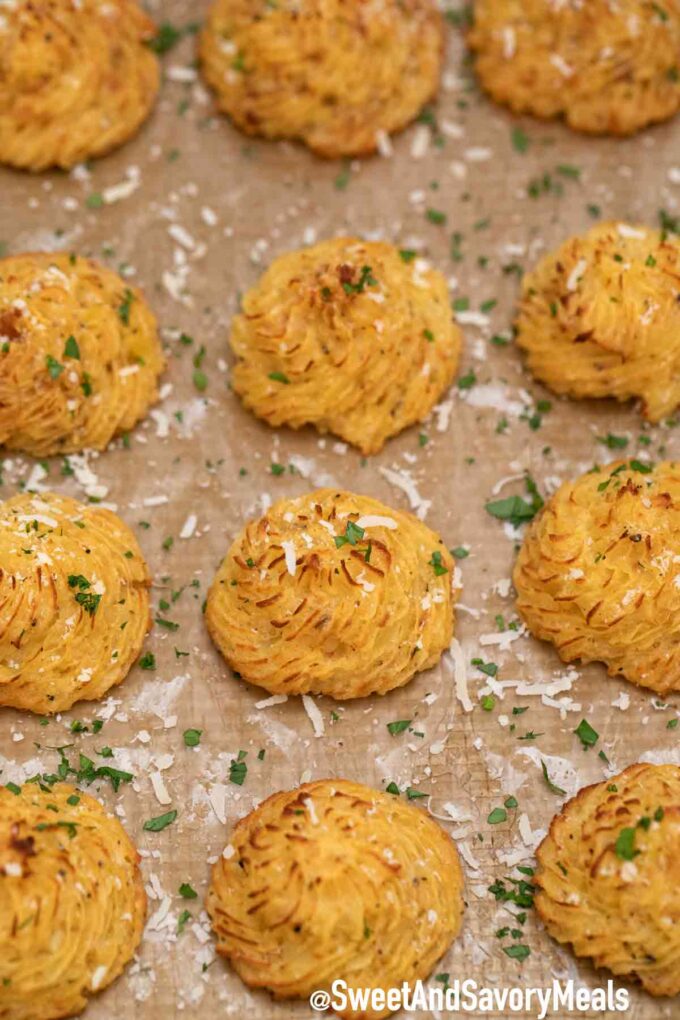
<point x="182" y="921"/>
<point x="344" y="177"/>
<point x="125" y="306"/>
<point x="613" y="442"/>
<point x="466" y="382"/>
<point x="54" y="367"/>
<point x="84" y="597"/>
<point x="353" y="534"/>
<point x="488" y="668"/>
<point x="586" y="734"/>
<point x="200" y="380"/>
<point x="520" y="140"/>
<point x="78" y="581"/>
<point x="160" y="822"/>
<point x="238" y="769"/>
<point x="166" y="37"/>
<point x="71" y="349"/>
<point x="436" y="563"/>
<point x="625" y="845"/>
<point x="366" y="279"/>
<point x="413" y="794"/>
<point x="89" y="601"/>
<point x="515" y="509"/>
<point x="517" y="951"/>
<point x="399" y="726"/>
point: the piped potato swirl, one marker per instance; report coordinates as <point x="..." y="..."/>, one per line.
<point x="600" y="317"/>
<point x="77" y="79"/>
<point x="80" y="354"/>
<point x="74" y="602"/>
<point x="598" y="574"/>
<point x="606" y="68"/>
<point x="335" y="880"/>
<point x="608" y="876"/>
<point x="353" y="337"/>
<point x="338" y="75"/>
<point x="72" y="902"/>
<point x="333" y="593"/>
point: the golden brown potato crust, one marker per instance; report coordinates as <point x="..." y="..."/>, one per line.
<point x="349" y="336"/>
<point x="79" y="354"/>
<point x="335" y="880"/>
<point x="76" y="79"/>
<point x="608" y="876"/>
<point x="598" y="574"/>
<point x="332" y="73"/>
<point x="333" y="593"/>
<point x="72" y="902"/>
<point x="600" y="317"/>
<point x="607" y="68"/>
<point x="74" y="604"/>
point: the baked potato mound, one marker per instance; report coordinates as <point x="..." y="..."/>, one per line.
<point x="349" y="336"/>
<point x="598" y="573"/>
<point x="335" y="74"/>
<point x="335" y="880"/>
<point x="607" y="876"/>
<point x="72" y="902"/>
<point x="74" y="602"/>
<point x="76" y="79"/>
<point x="600" y="317"/>
<point x="79" y="354"/>
<point x="606" y="68"/>
<point x="333" y="593"/>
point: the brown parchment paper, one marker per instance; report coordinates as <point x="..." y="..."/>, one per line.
<point x="202" y="210"/>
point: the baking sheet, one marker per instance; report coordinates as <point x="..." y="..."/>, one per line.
<point x="202" y="210"/>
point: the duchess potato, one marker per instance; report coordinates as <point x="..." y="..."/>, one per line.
<point x="336" y="74"/>
<point x="356" y="338"/>
<point x="74" y="602"/>
<point x="72" y="902"/>
<point x="598" y="573"/>
<point x="607" y="68"/>
<point x="600" y="317"/>
<point x="335" y="880"/>
<point x="333" y="593"/>
<point x="77" y="79"/>
<point x="609" y="876"/>
<point x="79" y="354"/>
